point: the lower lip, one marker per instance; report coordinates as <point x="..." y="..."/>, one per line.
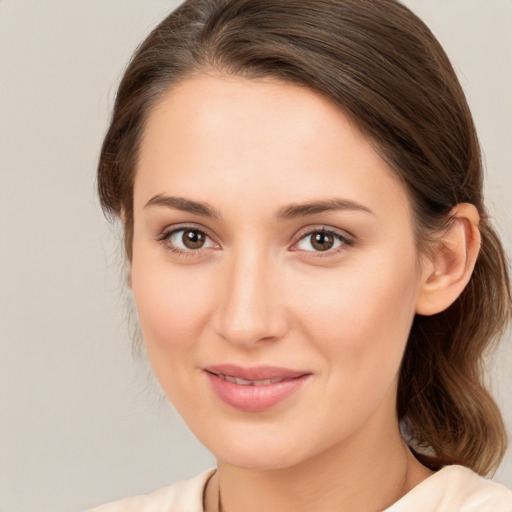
<point x="254" y="398"/>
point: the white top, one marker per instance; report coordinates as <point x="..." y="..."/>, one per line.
<point x="451" y="489"/>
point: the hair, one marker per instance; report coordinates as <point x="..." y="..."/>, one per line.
<point x="383" y="67"/>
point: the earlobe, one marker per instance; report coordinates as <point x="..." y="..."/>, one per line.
<point x="447" y="270"/>
<point x="128" y="264"/>
<point x="128" y="274"/>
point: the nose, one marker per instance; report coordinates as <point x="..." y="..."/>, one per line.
<point x="251" y="307"/>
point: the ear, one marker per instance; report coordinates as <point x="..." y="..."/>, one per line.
<point x="448" y="268"/>
<point x="128" y="272"/>
<point x="128" y="264"/>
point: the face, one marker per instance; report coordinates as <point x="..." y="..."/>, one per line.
<point x="274" y="270"/>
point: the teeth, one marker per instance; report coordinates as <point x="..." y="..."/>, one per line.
<point x="245" y="382"/>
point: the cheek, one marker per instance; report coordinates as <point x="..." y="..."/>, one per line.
<point x="171" y="306"/>
<point x="172" y="313"/>
<point x="361" y="315"/>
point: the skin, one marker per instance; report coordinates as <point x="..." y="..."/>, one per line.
<point x="259" y="293"/>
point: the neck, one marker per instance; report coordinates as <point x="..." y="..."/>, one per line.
<point x="355" y="475"/>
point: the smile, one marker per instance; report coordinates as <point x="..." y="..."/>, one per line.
<point x="245" y="382"/>
<point x="254" y="389"/>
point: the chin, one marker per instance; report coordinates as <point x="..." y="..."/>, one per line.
<point x="256" y="449"/>
<point x="258" y="460"/>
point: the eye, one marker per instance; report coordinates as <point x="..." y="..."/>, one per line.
<point x="323" y="240"/>
<point x="187" y="240"/>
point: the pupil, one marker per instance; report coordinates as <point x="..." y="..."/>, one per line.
<point x="193" y="239"/>
<point x="322" y="241"/>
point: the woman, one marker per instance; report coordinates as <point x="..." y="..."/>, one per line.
<point x="311" y="259"/>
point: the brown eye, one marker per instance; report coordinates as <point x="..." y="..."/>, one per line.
<point x="187" y="240"/>
<point x="322" y="241"/>
<point x="193" y="239"/>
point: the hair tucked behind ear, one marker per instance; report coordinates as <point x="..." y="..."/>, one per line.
<point x="383" y="67"/>
<point x="447" y="412"/>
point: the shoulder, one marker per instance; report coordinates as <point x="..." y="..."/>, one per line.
<point x="455" y="489"/>
<point x="184" y="495"/>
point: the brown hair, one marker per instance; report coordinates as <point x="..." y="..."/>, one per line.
<point x="380" y="64"/>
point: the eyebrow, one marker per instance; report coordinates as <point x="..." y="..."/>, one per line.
<point x="292" y="211"/>
<point x="185" y="205"/>
<point x="329" y="205"/>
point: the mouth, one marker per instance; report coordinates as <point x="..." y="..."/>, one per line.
<point x="245" y="382"/>
<point x="254" y="389"/>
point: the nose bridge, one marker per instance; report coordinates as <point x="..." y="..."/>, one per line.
<point x="250" y="311"/>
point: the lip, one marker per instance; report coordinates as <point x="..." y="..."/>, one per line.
<point x="254" y="389"/>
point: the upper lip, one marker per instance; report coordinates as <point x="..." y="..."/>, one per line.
<point x="255" y="373"/>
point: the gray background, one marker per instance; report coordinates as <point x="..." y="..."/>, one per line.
<point x="80" y="421"/>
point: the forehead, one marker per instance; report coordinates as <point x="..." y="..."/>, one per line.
<point x="212" y="134"/>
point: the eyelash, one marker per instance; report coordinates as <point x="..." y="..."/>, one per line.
<point x="164" y="239"/>
<point x="344" y="239"/>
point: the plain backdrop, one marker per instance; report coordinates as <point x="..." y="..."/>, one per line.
<point x="80" y="420"/>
